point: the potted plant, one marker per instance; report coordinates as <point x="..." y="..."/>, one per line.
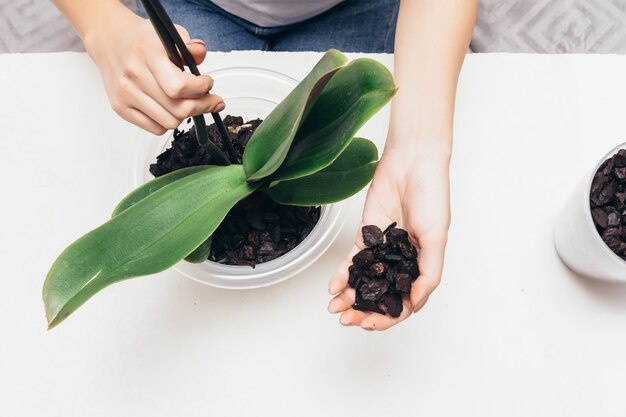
<point x="303" y="154"/>
<point x="590" y="233"/>
<point x="251" y="93"/>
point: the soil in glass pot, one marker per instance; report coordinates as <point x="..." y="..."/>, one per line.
<point x="257" y="229"/>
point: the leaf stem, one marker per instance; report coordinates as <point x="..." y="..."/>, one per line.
<point x="202" y="136"/>
<point x="225" y="138"/>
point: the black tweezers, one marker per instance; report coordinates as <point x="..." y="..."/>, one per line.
<point x="175" y="47"/>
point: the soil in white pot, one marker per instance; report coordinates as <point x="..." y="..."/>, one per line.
<point x="257" y="229"/>
<point x="608" y="202"/>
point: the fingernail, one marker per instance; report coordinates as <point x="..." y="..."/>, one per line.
<point x="344" y="321"/>
<point x="331" y="307"/>
<point x="197" y="42"/>
<point x="220" y="107"/>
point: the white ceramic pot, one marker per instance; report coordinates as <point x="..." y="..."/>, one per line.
<point x="576" y="239"/>
<point x="251" y="93"/>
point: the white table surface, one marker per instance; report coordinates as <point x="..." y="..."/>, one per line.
<point x="510" y="332"/>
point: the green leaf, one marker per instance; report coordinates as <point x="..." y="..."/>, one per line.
<point x="146" y="238"/>
<point x="346" y="176"/>
<point x="201" y="253"/>
<point x="271" y="141"/>
<point x="353" y="95"/>
<point x="156" y="184"/>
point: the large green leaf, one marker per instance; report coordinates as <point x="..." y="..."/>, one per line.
<point x="146" y="238"/>
<point x="270" y="142"/>
<point x="353" y="95"/>
<point x="346" y="176"/>
<point x="201" y="253"/>
<point x="156" y="184"/>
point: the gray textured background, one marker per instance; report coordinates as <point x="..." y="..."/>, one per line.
<point x="545" y="26"/>
<point x="36" y="26"/>
<point x="551" y="26"/>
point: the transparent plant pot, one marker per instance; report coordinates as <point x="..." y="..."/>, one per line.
<point x="576" y="239"/>
<point x="251" y="93"/>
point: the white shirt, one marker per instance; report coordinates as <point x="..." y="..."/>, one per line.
<point x="270" y="13"/>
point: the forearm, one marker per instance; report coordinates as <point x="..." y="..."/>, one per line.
<point x="432" y="38"/>
<point x="90" y="16"/>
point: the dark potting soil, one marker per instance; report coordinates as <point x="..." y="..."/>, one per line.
<point x="186" y="152"/>
<point x="257" y="229"/>
<point x="608" y="202"/>
<point x="384" y="271"/>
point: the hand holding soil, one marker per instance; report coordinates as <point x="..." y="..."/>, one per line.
<point x="415" y="194"/>
<point x="383" y="273"/>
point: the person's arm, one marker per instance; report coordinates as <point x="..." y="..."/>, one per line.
<point x="143" y="86"/>
<point x="411" y="184"/>
<point x="432" y="39"/>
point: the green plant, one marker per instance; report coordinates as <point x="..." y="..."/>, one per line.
<point x="304" y="153"/>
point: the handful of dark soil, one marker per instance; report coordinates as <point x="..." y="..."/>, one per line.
<point x="608" y="202"/>
<point x="384" y="271"/>
<point x="257" y="229"/>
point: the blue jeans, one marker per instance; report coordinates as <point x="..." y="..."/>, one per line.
<point x="351" y="26"/>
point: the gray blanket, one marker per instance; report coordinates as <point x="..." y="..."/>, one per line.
<point x="551" y="26"/>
